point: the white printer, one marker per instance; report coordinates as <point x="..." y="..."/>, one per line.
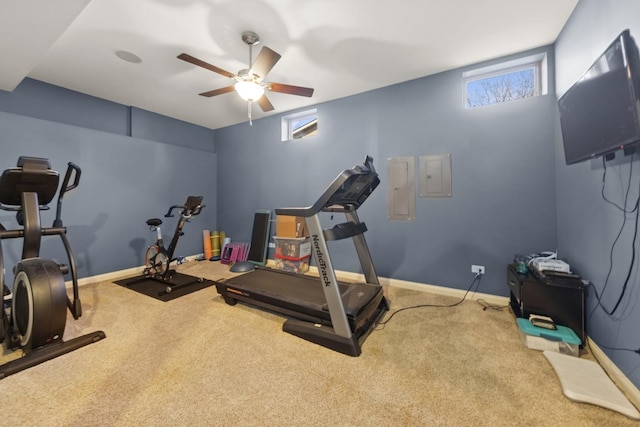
<point x="547" y="261"/>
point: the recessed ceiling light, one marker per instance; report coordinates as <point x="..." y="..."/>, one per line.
<point x="128" y="56"/>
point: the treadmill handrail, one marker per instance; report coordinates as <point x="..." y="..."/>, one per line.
<point x="344" y="230"/>
<point x="321" y="202"/>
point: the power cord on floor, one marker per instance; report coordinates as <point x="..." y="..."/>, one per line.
<point x="485" y="305"/>
<point x="478" y="278"/>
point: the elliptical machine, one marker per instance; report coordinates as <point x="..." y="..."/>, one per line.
<point x="34" y="311"/>
<point x="157" y="257"/>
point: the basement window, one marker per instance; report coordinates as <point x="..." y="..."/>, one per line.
<point x="507" y="81"/>
<point x="300" y="125"/>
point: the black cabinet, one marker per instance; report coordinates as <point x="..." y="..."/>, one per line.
<point x="561" y="298"/>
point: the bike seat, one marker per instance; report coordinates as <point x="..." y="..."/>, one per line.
<point x="154" y="222"/>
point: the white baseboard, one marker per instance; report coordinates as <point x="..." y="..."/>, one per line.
<point x="617" y="376"/>
<point x="108" y="277"/>
<point x="422" y="287"/>
<point x="441" y="290"/>
<point x="347" y="275"/>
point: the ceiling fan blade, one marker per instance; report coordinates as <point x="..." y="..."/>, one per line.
<point x="291" y="90"/>
<point x="264" y="103"/>
<point x="218" y="91"/>
<point x="195" y="61"/>
<point x="265" y="61"/>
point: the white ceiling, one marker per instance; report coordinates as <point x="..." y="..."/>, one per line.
<point x="338" y="47"/>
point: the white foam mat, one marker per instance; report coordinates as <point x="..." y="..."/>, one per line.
<point x="585" y="381"/>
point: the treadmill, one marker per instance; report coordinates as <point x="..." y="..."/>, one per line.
<point x="334" y="314"/>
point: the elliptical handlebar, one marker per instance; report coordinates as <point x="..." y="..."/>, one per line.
<point x="72" y="169"/>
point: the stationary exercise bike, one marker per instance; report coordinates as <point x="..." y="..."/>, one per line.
<point x="34" y="310"/>
<point x="157" y="257"/>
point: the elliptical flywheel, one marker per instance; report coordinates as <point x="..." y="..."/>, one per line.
<point x="39" y="306"/>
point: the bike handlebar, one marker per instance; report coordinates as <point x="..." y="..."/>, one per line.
<point x="187" y="212"/>
<point x="169" y="212"/>
<point x="197" y="210"/>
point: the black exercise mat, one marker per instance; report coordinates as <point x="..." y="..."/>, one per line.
<point x="183" y="285"/>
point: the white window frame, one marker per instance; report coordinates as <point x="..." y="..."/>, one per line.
<point x="538" y="62"/>
<point x="288" y="121"/>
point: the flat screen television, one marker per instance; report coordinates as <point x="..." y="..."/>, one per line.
<point x="600" y="113"/>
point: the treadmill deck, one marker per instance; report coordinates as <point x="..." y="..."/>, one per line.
<point x="301" y="293"/>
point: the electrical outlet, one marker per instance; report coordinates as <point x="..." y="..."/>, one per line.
<point x="478" y="269"/>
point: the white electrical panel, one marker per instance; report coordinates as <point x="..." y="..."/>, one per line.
<point x="435" y="175"/>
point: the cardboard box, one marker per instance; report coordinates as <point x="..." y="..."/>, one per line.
<point x="291" y="226"/>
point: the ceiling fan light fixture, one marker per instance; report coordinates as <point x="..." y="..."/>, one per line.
<point x="250" y="91"/>
<point x="250" y="84"/>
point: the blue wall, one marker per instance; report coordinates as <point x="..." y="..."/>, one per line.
<point x="503" y="199"/>
<point x="125" y="179"/>
<point x="587" y="225"/>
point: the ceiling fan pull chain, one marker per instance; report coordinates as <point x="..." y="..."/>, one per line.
<point x="249" y="112"/>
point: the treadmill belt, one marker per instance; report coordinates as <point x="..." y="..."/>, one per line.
<point x="301" y="290"/>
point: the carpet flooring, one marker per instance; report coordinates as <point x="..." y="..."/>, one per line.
<point x="198" y="361"/>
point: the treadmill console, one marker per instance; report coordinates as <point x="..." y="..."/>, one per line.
<point x="351" y="188"/>
<point x="346" y="193"/>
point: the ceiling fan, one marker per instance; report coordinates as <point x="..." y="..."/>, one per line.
<point x="250" y="83"/>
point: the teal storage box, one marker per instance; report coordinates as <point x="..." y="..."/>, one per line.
<point x="561" y="340"/>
